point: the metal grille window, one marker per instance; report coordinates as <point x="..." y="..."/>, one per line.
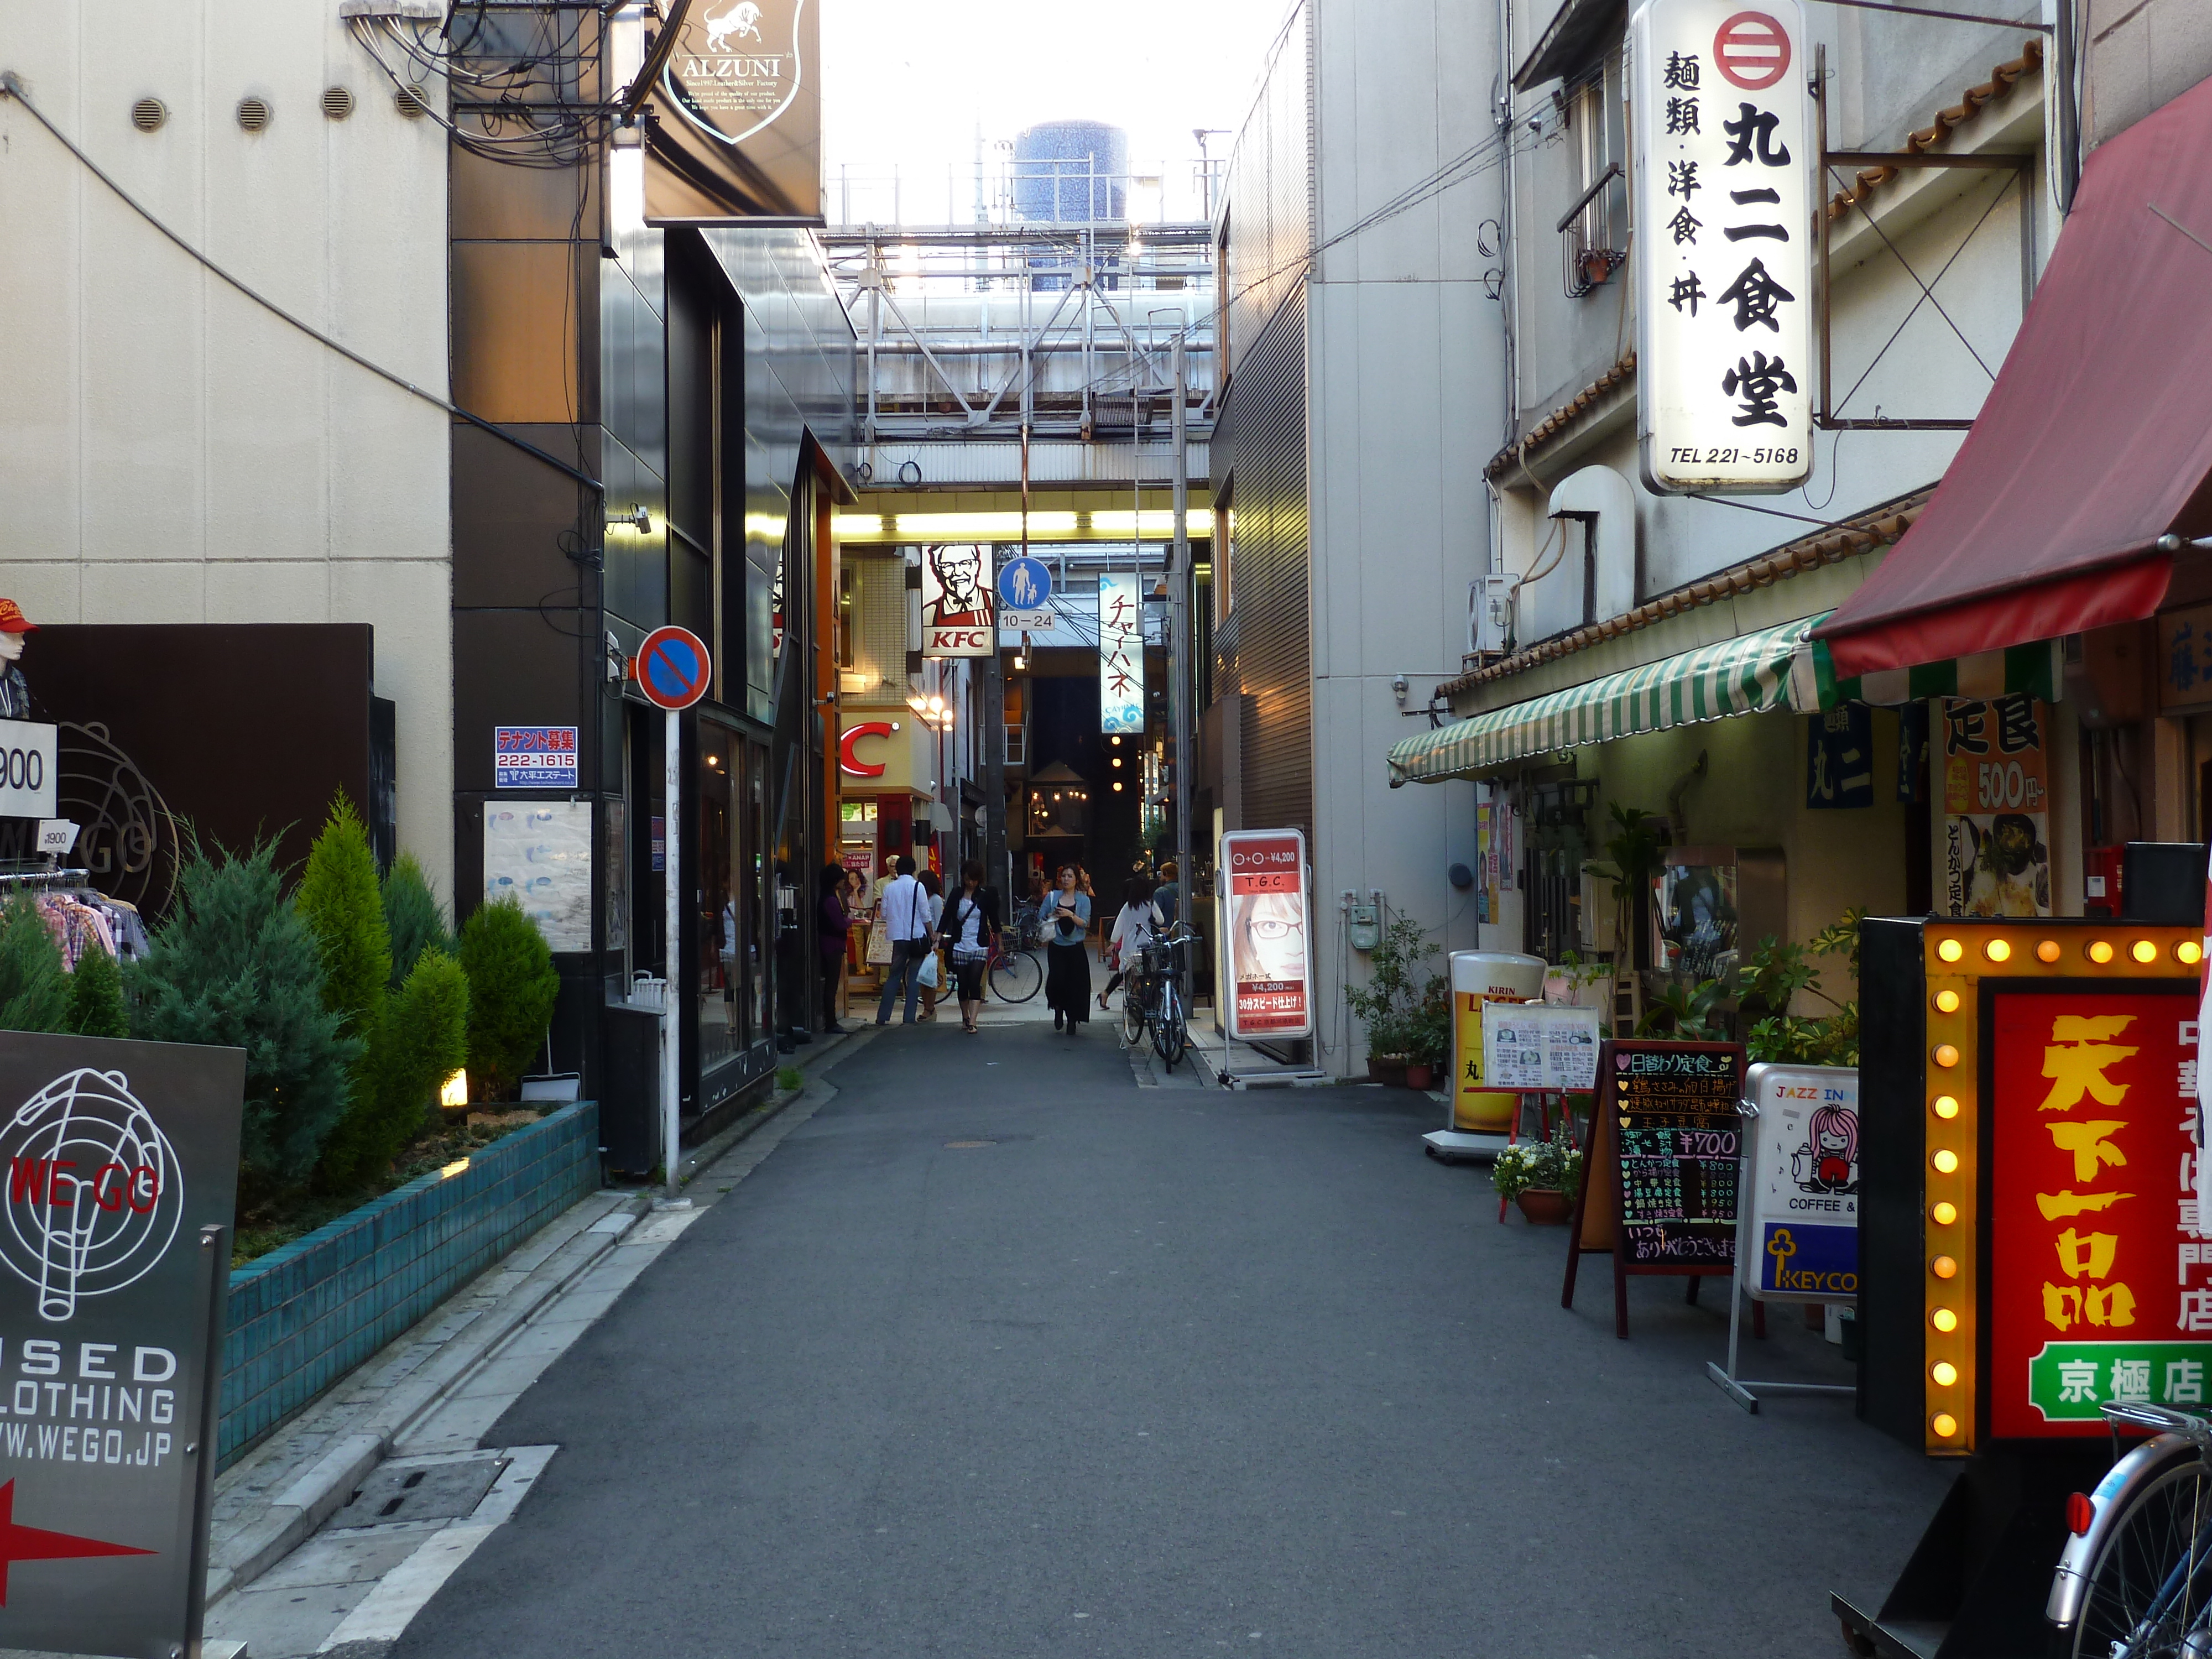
<point x="1591" y="237"/>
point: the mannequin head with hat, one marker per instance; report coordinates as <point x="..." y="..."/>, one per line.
<point x="14" y="624"/>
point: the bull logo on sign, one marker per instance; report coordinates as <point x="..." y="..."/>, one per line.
<point x="742" y="20"/>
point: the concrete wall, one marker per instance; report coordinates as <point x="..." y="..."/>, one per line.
<point x="174" y="452"/>
<point x="2137" y="55"/>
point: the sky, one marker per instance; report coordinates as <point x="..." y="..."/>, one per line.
<point x="906" y="85"/>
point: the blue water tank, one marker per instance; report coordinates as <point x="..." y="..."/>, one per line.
<point x="1071" y="170"/>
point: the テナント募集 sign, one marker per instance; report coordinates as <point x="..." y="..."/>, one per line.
<point x="1724" y="271"/>
<point x="121" y="1164"/>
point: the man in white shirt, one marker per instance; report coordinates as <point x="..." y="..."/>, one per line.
<point x="904" y="909"/>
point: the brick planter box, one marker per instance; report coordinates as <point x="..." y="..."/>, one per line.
<point x="304" y="1315"/>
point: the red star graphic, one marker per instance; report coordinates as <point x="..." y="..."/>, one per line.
<point x="19" y="1543"/>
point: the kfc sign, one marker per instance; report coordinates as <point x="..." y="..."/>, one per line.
<point x="956" y="619"/>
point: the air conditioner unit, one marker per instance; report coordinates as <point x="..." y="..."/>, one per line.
<point x="1490" y="613"/>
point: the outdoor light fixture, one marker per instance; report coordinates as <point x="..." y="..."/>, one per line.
<point x="1998" y="949"/>
<point x="2143" y="950"/>
<point x="1946" y="1106"/>
<point x="2047" y="952"/>
<point x="1117" y="786"/>
<point x="2100" y="952"/>
<point x="1950" y="950"/>
<point x="454" y="1090"/>
<point x="1947" y="1002"/>
<point x="636" y="519"/>
<point x="457" y="1167"/>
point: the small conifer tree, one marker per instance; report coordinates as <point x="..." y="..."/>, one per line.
<point x="96" y="996"/>
<point x="34" y="987"/>
<point x="413" y="917"/>
<point x="512" y="987"/>
<point x="339" y="899"/>
<point x="236" y="965"/>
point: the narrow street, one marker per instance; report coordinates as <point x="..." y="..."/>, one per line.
<point x="1000" y="1353"/>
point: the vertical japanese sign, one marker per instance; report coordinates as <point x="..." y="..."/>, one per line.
<point x="1724" y="271"/>
<point x="957" y="617"/>
<point x="1120" y="652"/>
<point x="1264" y="935"/>
<point x="122" y="1162"/>
<point x="1486" y="883"/>
<point x="1996" y="806"/>
<point x="735" y="132"/>
<point x="1839" y="758"/>
<point x="2100" y="1285"/>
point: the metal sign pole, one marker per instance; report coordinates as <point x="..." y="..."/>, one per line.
<point x="673" y="893"/>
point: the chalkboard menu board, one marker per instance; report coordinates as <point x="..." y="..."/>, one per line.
<point x="1664" y="1164"/>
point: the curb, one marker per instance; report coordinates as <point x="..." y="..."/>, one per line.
<point x="313" y="1498"/>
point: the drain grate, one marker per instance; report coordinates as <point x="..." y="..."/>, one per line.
<point x="965" y="1145"/>
<point x="422" y="1491"/>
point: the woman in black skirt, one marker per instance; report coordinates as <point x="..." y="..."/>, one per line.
<point x="1066" y="921"/>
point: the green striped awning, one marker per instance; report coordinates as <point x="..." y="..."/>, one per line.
<point x="2038" y="669"/>
<point x="1748" y="675"/>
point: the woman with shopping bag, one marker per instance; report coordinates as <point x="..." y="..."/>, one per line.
<point x="970" y="924"/>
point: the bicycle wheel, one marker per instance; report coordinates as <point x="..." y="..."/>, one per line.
<point x="1133" y="1011"/>
<point x="2150" y="1583"/>
<point x="1016" y="976"/>
<point x="1169" y="1034"/>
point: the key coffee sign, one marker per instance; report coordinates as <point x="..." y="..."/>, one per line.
<point x="1724" y="270"/>
<point x="121" y="1161"/>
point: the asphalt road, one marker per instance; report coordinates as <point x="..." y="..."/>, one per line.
<point x="1157" y="1372"/>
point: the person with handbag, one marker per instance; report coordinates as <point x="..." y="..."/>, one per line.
<point x="831" y="924"/>
<point x="971" y="924"/>
<point x="1067" y="921"/>
<point x="902" y="911"/>
<point x="1133" y="929"/>
<point x="931" y="974"/>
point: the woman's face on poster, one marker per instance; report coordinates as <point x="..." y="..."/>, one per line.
<point x="1275" y="936"/>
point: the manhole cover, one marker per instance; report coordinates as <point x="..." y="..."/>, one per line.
<point x="965" y="1146"/>
<point x="432" y="1492"/>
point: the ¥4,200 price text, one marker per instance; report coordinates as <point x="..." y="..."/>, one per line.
<point x="1692" y="456"/>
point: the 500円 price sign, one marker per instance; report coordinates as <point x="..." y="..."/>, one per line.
<point x="121" y="1163"/>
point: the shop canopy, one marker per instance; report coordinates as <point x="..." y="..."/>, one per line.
<point x="1776" y="669"/>
<point x="2094" y="444"/>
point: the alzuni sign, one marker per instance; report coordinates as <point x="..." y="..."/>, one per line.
<point x="121" y="1163"/>
<point x="736" y="131"/>
<point x="1724" y="271"/>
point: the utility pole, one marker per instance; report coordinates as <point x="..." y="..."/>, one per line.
<point x="1179" y="634"/>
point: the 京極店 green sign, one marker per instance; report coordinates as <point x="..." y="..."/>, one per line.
<point x="2069" y="1381"/>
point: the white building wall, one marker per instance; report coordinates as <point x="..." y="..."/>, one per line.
<point x="1405" y="387"/>
<point x="169" y="450"/>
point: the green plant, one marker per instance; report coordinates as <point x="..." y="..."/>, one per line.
<point x="340" y="900"/>
<point x="424" y="1041"/>
<point x="1428" y="1031"/>
<point x="790" y="1077"/>
<point x="414" y="920"/>
<point x="236" y="966"/>
<point x="1780" y="973"/>
<point x="96" y="997"/>
<point x="1553" y="1165"/>
<point x="1390" y="1005"/>
<point x="511" y="985"/>
<point x="34" y="985"/>
<point x="1687" y="1015"/>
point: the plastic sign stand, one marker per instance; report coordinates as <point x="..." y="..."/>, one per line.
<point x="1480" y="1121"/>
<point x="1797" y="1218"/>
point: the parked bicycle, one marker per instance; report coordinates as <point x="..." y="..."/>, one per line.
<point x="2135" y="1580"/>
<point x="1014" y="973"/>
<point x="1152" y="997"/>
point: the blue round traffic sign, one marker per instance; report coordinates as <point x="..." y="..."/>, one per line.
<point x="1024" y="584"/>
<point x="673" y="667"/>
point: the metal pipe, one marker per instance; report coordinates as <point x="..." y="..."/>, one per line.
<point x="1180" y="628"/>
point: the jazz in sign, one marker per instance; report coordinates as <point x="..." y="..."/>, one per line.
<point x="121" y="1164"/>
<point x="1724" y="279"/>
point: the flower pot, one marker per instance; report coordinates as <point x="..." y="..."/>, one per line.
<point x="1420" y="1076"/>
<point x="1543" y="1206"/>
<point x="1388" y="1069"/>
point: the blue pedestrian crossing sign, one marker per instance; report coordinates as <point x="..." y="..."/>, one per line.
<point x="1024" y="594"/>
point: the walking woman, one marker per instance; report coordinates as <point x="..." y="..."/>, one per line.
<point x="971" y="923"/>
<point x="1066" y="919"/>
<point x="1133" y="929"/>
<point x="930" y="886"/>
<point x="831" y="924"/>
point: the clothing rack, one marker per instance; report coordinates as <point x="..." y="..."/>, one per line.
<point x="49" y="877"/>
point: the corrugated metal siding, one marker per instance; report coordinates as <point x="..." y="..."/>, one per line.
<point x="1268" y="655"/>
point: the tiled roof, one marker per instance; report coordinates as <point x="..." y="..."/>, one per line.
<point x="1560" y="418"/>
<point x="1883" y="524"/>
<point x="1970" y="103"/>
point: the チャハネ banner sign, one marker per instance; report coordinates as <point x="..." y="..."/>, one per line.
<point x="2100" y="1281"/>
<point x="121" y="1164"/>
<point x="1724" y="268"/>
<point x="1270" y="972"/>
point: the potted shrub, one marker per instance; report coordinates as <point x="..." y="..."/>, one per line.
<point x="1541" y="1177"/>
<point x="1390" y="1006"/>
<point x="1428" y="1038"/>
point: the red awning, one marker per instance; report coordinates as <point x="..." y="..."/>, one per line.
<point x="2096" y="440"/>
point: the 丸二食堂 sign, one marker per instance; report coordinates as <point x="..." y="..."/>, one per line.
<point x="1724" y="270"/>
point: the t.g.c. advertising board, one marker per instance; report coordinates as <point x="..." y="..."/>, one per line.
<point x="1803" y="1241"/>
<point x="1724" y="284"/>
<point x="121" y="1166"/>
<point x="2100" y="1283"/>
<point x="1270" y="972"/>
